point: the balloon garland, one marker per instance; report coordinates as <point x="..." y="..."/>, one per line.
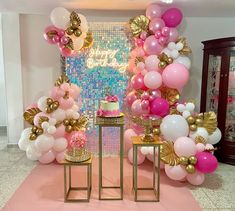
<point x="69" y="31"/>
<point x="159" y="65"/>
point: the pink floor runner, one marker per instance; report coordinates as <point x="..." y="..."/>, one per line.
<point x="43" y="190"/>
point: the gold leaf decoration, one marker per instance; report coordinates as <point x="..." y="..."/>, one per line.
<point x="173" y="110"/>
<point x="200" y="139"/>
<point x="43" y="119"/>
<point x="171" y="95"/>
<point x="62" y="79"/>
<point x="74" y="16"/>
<point x="168" y="155"/>
<point x="30" y="114"/>
<point x="138" y="25"/>
<point x="88" y="41"/>
<point x="210" y="121"/>
<point x="138" y="59"/>
<point x="81" y="123"/>
<point x="186" y="49"/>
<point x="70" y="44"/>
<point x="51" y="34"/>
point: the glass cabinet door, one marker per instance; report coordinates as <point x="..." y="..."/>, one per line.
<point x="213" y="82"/>
<point x="230" y="112"/>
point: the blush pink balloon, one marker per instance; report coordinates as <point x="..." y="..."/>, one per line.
<point x="60" y="132"/>
<point x="74" y="91"/>
<point x="185" y="146"/>
<point x="173" y="35"/>
<point x="145" y="104"/>
<point x="131" y="97"/>
<point x="137" y="128"/>
<point x="206" y="162"/>
<point x="47" y="157"/>
<point x="137" y="82"/>
<point x="156" y="93"/>
<point x="172" y="17"/>
<point x="175" y="172"/>
<point x="156" y="24"/>
<point x="140" y="157"/>
<point x="128" y="134"/>
<point x="60" y="157"/>
<point x="153" y="80"/>
<point x="33" y="105"/>
<point x="37" y="118"/>
<point x="200" y="147"/>
<point x="66" y="103"/>
<point x="145" y="96"/>
<point x="151" y="46"/>
<point x="56" y="93"/>
<point x="143" y="72"/>
<point x="140" y="66"/>
<point x="153" y="11"/>
<point x="137" y="109"/>
<point x="46" y="37"/>
<point x="159" y="107"/>
<point x="175" y="76"/>
<point x="196" y="178"/>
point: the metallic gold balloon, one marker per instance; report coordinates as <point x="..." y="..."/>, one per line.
<point x="49" y="101"/>
<point x="162" y="65"/>
<point x="34" y="129"/>
<point x="78" y="32"/>
<point x="54" y="106"/>
<point x="32" y="136"/>
<point x="156" y="131"/>
<point x="192" y="160"/>
<point x="75" y="24"/>
<point x="169" y="60"/>
<point x="56" y="103"/>
<point x="48" y="110"/>
<point x="190" y="119"/>
<point x="69" y="31"/>
<point x="72" y="122"/>
<point x="66" y="122"/>
<point x="199" y="122"/>
<point x="193" y="127"/>
<point x="183" y="161"/>
<point x="68" y="128"/>
<point x="39" y="131"/>
<point x="190" y="169"/>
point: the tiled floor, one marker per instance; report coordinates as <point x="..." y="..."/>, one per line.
<point x="217" y="192"/>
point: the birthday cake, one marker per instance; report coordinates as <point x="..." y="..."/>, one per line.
<point x="109" y="107"/>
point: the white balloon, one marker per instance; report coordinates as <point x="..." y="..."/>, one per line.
<point x="32" y="152"/>
<point x="52" y="121"/>
<point x="149" y="64"/>
<point x="174" y="54"/>
<point x="69" y="113"/>
<point x="173" y="127"/>
<point x="166" y="51"/>
<point x="42" y="103"/>
<point x="23" y="143"/>
<point x="78" y="43"/>
<point x="179" y="46"/>
<point x="58" y="114"/>
<point x="186" y="114"/>
<point x="26" y="132"/>
<point x="84" y="27"/>
<point x="51" y="129"/>
<point x="171" y="46"/>
<point x="83" y="35"/>
<point x="82" y="18"/>
<point x="215" y="137"/>
<point x="75" y="115"/>
<point x="201" y="131"/>
<point x="144" y="150"/>
<point x="60" y="17"/>
<point x="60" y="144"/>
<point x="75" y="107"/>
<point x="45" y="125"/>
<point x="190" y="107"/>
<point x="44" y="142"/>
<point x="184" y="60"/>
<point x="181" y="107"/>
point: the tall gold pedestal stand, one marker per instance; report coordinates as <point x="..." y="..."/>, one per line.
<point x="103" y="122"/>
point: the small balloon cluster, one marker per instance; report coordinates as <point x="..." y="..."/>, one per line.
<point x="55" y="121"/>
<point x="69" y="31"/>
<point x="159" y="65"/>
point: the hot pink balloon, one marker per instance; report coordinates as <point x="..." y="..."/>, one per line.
<point x="206" y="162"/>
<point x="151" y="46"/>
<point x="60" y="132"/>
<point x="159" y="107"/>
<point x="172" y="17"/>
<point x="136" y="108"/>
<point x="145" y="104"/>
<point x="66" y="52"/>
<point x="48" y="29"/>
<point x="140" y="157"/>
<point x="175" y="76"/>
<point x="196" y="179"/>
<point x="185" y="146"/>
<point x="137" y="82"/>
<point x="47" y="157"/>
<point x="173" y="35"/>
<point x="153" y="80"/>
<point x="128" y="134"/>
<point x="156" y="24"/>
<point x="60" y="157"/>
<point x="130" y="98"/>
<point x="175" y="172"/>
<point x="151" y="63"/>
<point x="153" y="11"/>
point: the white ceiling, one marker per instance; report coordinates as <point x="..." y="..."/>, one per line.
<point x="190" y="8"/>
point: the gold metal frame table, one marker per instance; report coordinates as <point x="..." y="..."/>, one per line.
<point x="67" y="191"/>
<point x="138" y="142"/>
<point x="103" y="122"/>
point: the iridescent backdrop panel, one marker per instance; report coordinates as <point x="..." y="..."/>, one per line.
<point x="102" y="67"/>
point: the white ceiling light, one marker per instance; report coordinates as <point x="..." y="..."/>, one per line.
<point x="167" y="1"/>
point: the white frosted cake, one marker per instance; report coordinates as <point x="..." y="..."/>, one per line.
<point x="109" y="107"/>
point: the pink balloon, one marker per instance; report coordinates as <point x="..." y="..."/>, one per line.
<point x="60" y="157"/>
<point x="158" y="34"/>
<point x="140" y="157"/>
<point x="151" y="46"/>
<point x="127" y="138"/>
<point x="153" y="80"/>
<point x="37" y="118"/>
<point x="66" y="52"/>
<point x="206" y="162"/>
<point x="137" y="109"/>
<point x="165" y="31"/>
<point x="130" y="98"/>
<point x="173" y="35"/>
<point x="33" y="105"/>
<point x="47" y="157"/>
<point x="156" y="93"/>
<point x="153" y="11"/>
<point x="140" y="66"/>
<point x="145" y="104"/>
<point x="137" y="82"/>
<point x="66" y="103"/>
<point x="64" y="40"/>
<point x="137" y="128"/>
<point x="200" y="147"/>
<point x="74" y="91"/>
<point x="175" y="172"/>
<point x="162" y="40"/>
<point x="185" y="146"/>
<point x="143" y="72"/>
<point x="56" y="93"/>
<point x="175" y="75"/>
<point x="143" y="35"/>
<point x="151" y="63"/>
<point x="196" y="178"/>
<point x="159" y="107"/>
<point x="156" y="24"/>
<point x="172" y="17"/>
<point x="50" y="28"/>
<point x="60" y="132"/>
<point x="145" y="96"/>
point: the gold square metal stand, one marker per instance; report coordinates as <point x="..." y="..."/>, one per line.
<point x="67" y="190"/>
<point x="103" y="122"/>
<point x="138" y="142"/>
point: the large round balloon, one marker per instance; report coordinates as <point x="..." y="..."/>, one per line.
<point x="172" y="17"/>
<point x="185" y="146"/>
<point x="183" y="60"/>
<point x="173" y="127"/>
<point x="156" y="24"/>
<point x="131" y="97"/>
<point x="175" y="172"/>
<point x="137" y="109"/>
<point x="153" y="11"/>
<point x="151" y="63"/>
<point x="215" y="137"/>
<point x="60" y="17"/>
<point x="44" y="142"/>
<point x="140" y="156"/>
<point x="206" y="162"/>
<point x="137" y="82"/>
<point x="159" y="107"/>
<point x="151" y="46"/>
<point x="175" y="76"/>
<point x="173" y="35"/>
<point x="153" y="80"/>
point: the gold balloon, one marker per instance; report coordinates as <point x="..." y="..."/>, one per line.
<point x="162" y="65"/>
<point x="156" y="131"/>
<point x="77" y="32"/>
<point x="68" y="128"/>
<point x="32" y="136"/>
<point x="199" y="122"/>
<point x="169" y="60"/>
<point x="191" y="119"/>
<point x="56" y="103"/>
<point x="72" y="122"/>
<point x="39" y="131"/>
<point x="66" y="122"/>
<point x="74" y="24"/>
<point x="190" y="169"/>
<point x="183" y="161"/>
<point x="34" y="129"/>
<point x="54" y="106"/>
<point x="48" y="110"/>
<point x="69" y="31"/>
<point x="193" y="127"/>
<point x="49" y="101"/>
<point x="192" y="160"/>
